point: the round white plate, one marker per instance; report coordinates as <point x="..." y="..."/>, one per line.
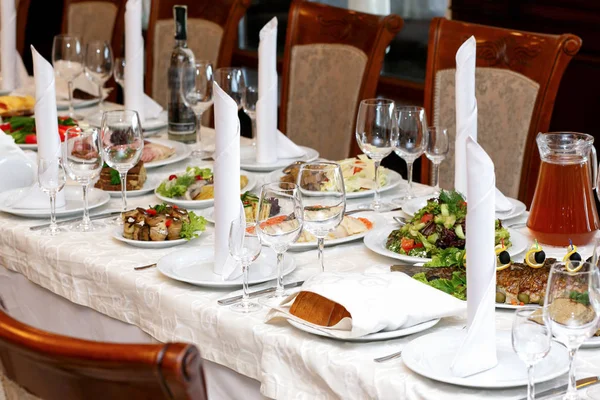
<point x="118" y="234"/>
<point x="592" y="342"/>
<point x="384" y="335"/>
<point x="248" y="159"/>
<point x="377" y="237"/>
<point x="209" y="202"/>
<point x="28" y="146"/>
<point x="62" y="104"/>
<point x="195" y="266"/>
<point x="4" y="92"/>
<point x="151" y="184"/>
<point x="182" y="151"/>
<point x="431" y="356"/>
<point x="394" y="179"/>
<point x="73" y="206"/>
<point x="507" y="306"/>
<point x="412" y="206"/>
<point x="149" y="125"/>
<point x="518" y="209"/>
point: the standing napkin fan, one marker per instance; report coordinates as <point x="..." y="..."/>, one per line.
<point x="134" y="58"/>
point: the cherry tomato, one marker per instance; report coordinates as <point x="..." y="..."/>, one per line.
<point x="31" y="139"/>
<point x="151" y="211"/>
<point x="199" y="178"/>
<point x="426" y="218"/>
<point x="407" y="244"/>
<point x="174" y="207"/>
<point x="5" y="127"/>
<point x="357" y="170"/>
<point x="168" y="223"/>
<point x="418" y="245"/>
<point x="172" y="177"/>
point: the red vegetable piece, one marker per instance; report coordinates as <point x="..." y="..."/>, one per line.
<point x="5" y="127"/>
<point x="426" y="218"/>
<point x="151" y="211"/>
<point x="168" y="223"/>
<point x="407" y="244"/>
<point x="30" y="139"/>
<point x="172" y="177"/>
<point x="199" y="177"/>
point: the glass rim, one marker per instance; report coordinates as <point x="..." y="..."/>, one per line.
<point x="67" y="36"/>
<point x="275" y="186"/>
<point x="314" y="164"/>
<point x="560" y="267"/>
<point x="228" y="69"/>
<point x="379" y="102"/>
<point x="409" y="109"/>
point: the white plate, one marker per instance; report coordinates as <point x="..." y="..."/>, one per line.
<point x="412" y="206"/>
<point x="518" y="209"/>
<point x="148" y="125"/>
<point x="118" y="234"/>
<point x="375" y="240"/>
<point x="28" y="146"/>
<point x="248" y="159"/>
<point x="74" y="206"/>
<point x="151" y="184"/>
<point x="592" y="342"/>
<point x="182" y="151"/>
<point x="394" y="179"/>
<point x="384" y="335"/>
<point x="431" y="356"/>
<point x="62" y="104"/>
<point x="195" y="266"/>
<point x="206" y="203"/>
<point x="506" y="306"/>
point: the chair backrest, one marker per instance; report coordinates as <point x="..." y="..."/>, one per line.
<point x="517" y="78"/>
<point x="22" y="7"/>
<point x="37" y="364"/>
<point x="91" y="19"/>
<point x="212" y="35"/>
<point x="332" y="60"/>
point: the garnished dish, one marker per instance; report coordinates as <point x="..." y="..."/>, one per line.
<point x="22" y="129"/>
<point x="16" y="105"/>
<point x="111" y="181"/>
<point x="153" y="152"/>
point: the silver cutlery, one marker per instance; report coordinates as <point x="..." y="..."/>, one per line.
<point x="400" y="220"/>
<point x="388" y="357"/>
<point x="145" y="267"/>
<point x="368" y="209"/>
<point x="235" y="299"/>
<point x="580" y="384"/>
<point x="70" y="220"/>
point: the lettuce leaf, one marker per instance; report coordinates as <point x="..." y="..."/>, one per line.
<point x="189" y="229"/>
<point x="456" y="286"/>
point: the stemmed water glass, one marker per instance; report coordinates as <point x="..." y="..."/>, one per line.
<point x="436" y="151"/>
<point x="67" y="58"/>
<point x="51" y="179"/>
<point x="411" y="140"/>
<point x="197" y="94"/>
<point x="119" y="71"/>
<point x="121" y="144"/>
<point x="231" y="80"/>
<point x="323" y="206"/>
<point x="374" y="134"/>
<point x="531" y="341"/>
<point x="571" y="310"/>
<point x="99" y="65"/>
<point x="279" y="222"/>
<point x="83" y="163"/>
<point x="249" y="100"/>
<point x="244" y="247"/>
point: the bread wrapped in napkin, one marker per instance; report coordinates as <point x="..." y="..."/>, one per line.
<point x="349" y="305"/>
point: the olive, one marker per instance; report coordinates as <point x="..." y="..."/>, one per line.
<point x="523" y="298"/>
<point x="540" y="257"/>
<point x="575" y="257"/>
<point x="504" y="257"/>
<point x="500" y="297"/>
<point x="541" y="301"/>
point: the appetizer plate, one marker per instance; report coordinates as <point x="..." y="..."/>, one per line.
<point x="384" y="335"/>
<point x="195" y="266"/>
<point x="151" y="184"/>
<point x="209" y="202"/>
<point x="394" y="179"/>
<point x="412" y="206"/>
<point x="248" y="159"/>
<point x="375" y="240"/>
<point x="118" y="234"/>
<point x="182" y="151"/>
<point x="431" y="356"/>
<point x="73" y="206"/>
<point x="148" y="125"/>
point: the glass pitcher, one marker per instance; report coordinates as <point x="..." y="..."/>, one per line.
<point x="563" y="206"/>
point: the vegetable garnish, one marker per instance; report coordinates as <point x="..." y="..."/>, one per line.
<point x="583" y="298"/>
<point x="176" y="186"/>
<point x="196" y="224"/>
<point x="572" y="255"/>
<point x="535" y="257"/>
<point x="502" y="256"/>
<point x="456" y="286"/>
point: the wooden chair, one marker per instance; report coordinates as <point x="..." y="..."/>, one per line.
<point x="212" y="35"/>
<point x="517" y="78"/>
<point x="332" y="60"/>
<point x="92" y="19"/>
<point x="36" y="364"/>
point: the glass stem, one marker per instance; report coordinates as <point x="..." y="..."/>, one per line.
<point x="279" y="290"/>
<point x="409" y="177"/>
<point x="199" y="145"/>
<point x="572" y="389"/>
<point x="253" y="131"/>
<point x="71" y="109"/>
<point x="86" y="213"/>
<point x="436" y="177"/>
<point x="530" y="387"/>
<point x="245" y="296"/>
<point x="321" y="245"/>
<point x="123" y="176"/>
<point x="101" y="100"/>
<point x="376" y="199"/>
<point x="53" y="226"/>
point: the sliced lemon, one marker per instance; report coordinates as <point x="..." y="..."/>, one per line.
<point x="500" y="268"/>
<point x="530" y="258"/>
<point x="568" y="264"/>
<point x="570" y="253"/>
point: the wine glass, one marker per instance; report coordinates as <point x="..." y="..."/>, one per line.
<point x="594" y="295"/>
<point x="249" y="100"/>
<point x="119" y="71"/>
<point x="51" y="179"/>
<point x="279" y="222"/>
<point x="67" y="58"/>
<point x="568" y="311"/>
<point x="83" y="162"/>
<point x="374" y="134"/>
<point x="231" y="80"/>
<point x="99" y="65"/>
<point x="197" y="94"/>
<point x="121" y="144"/>
<point x="436" y="151"/>
<point x="410" y="140"/>
<point x="244" y="247"/>
<point x="323" y="204"/>
<point x="531" y="341"/>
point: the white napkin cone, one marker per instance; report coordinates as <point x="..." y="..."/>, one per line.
<point x="383" y="301"/>
<point x="477" y="353"/>
<point x="466" y="118"/>
<point x="13" y="70"/>
<point x="152" y="109"/>
<point x="271" y="144"/>
<point x="12" y="158"/>
<point x="134" y="58"/>
<point x="226" y="173"/>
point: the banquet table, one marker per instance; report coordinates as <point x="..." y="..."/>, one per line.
<point x="84" y="285"/>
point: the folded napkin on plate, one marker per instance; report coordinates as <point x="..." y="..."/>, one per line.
<point x="13" y="70"/>
<point x="384" y="301"/>
<point x="477" y="353"/>
<point x="466" y="118"/>
<point x="12" y="158"/>
<point x="134" y="58"/>
<point x="83" y="83"/>
<point x="271" y="144"/>
<point x="226" y="174"/>
<point x="152" y="109"/>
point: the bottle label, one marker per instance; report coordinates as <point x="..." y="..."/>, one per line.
<point x="182" y="120"/>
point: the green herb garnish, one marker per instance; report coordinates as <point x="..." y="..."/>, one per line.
<point x="583" y="298"/>
<point x="189" y="229"/>
<point x="456" y="286"/>
<point x="115" y="178"/>
<point x="450" y="257"/>
<point x="456" y="203"/>
<point x="159" y="207"/>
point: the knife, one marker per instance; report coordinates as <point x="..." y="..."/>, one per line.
<point x="581" y="383"/>
<point x="235" y="299"/>
<point x="68" y="221"/>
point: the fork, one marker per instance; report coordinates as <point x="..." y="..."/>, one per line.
<point x="388" y="357"/>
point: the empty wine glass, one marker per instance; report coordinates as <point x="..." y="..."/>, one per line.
<point x="323" y="205"/>
<point x="569" y="313"/>
<point x="98" y="65"/>
<point x="67" y="58"/>
<point x="279" y="222"/>
<point x="197" y="94"/>
<point x="51" y="179"/>
<point x="594" y="294"/>
<point x="531" y="341"/>
<point x="410" y="140"/>
<point x="249" y="100"/>
<point x="119" y="71"/>
<point x="244" y="247"/>
<point x="231" y="80"/>
<point x="437" y="149"/>
<point x="83" y="162"/>
<point x="374" y="134"/>
<point x="121" y="144"/>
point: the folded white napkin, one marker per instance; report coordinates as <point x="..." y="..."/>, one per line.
<point x="152" y="109"/>
<point x="383" y="301"/>
<point x="271" y="144"/>
<point x="11" y="62"/>
<point x="134" y="58"/>
<point x="226" y="172"/>
<point x="13" y="159"/>
<point x="466" y="118"/>
<point x="477" y="353"/>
